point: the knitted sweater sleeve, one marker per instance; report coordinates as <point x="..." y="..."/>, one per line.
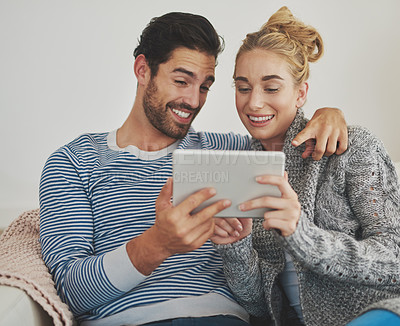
<point x="243" y="274"/>
<point x="370" y="256"/>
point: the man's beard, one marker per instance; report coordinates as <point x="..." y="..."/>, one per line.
<point x="159" y="116"/>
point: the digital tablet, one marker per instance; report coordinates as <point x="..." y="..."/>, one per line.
<point x="231" y="173"/>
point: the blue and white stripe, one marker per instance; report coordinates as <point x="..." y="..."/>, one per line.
<point x="93" y="199"/>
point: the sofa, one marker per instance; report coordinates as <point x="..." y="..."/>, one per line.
<point x="27" y="293"/>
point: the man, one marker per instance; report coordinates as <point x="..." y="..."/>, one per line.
<point x="118" y="250"/>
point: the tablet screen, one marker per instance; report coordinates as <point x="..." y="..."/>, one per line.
<point x="231" y="173"/>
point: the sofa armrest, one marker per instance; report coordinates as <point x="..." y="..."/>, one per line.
<point x="17" y="308"/>
<point x="22" y="267"/>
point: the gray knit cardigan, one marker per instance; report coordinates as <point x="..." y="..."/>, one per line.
<point x="346" y="246"/>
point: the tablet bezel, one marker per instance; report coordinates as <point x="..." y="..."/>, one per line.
<point x="231" y="173"/>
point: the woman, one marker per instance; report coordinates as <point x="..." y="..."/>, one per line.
<point x="330" y="246"/>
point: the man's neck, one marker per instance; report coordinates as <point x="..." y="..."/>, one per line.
<point x="139" y="132"/>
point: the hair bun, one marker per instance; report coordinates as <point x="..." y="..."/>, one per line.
<point x="285" y="35"/>
<point x="305" y="36"/>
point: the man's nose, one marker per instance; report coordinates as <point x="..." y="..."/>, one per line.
<point x="192" y="98"/>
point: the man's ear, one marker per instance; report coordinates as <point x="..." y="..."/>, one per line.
<point x="302" y="95"/>
<point x="141" y="69"/>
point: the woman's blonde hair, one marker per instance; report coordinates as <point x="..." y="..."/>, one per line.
<point x="285" y="35"/>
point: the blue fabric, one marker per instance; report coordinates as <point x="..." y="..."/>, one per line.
<point x="377" y="317"/>
<point x="203" y="321"/>
<point x="94" y="198"/>
<point x="290" y="284"/>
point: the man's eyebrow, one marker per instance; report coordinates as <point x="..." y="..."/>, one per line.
<point x="264" y="78"/>
<point x="184" y="71"/>
<point x="192" y="75"/>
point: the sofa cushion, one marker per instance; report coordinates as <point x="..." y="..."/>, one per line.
<point x="22" y="266"/>
<point x="17" y="308"/>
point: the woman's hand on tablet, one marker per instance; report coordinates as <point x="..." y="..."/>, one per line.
<point x="286" y="209"/>
<point x="229" y="230"/>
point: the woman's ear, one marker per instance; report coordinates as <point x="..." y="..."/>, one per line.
<point x="141" y="69"/>
<point x="302" y="95"/>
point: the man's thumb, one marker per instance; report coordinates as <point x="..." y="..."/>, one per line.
<point x="164" y="198"/>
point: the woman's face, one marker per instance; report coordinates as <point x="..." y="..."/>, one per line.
<point x="266" y="96"/>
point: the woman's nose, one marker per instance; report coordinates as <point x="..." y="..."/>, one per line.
<point x="256" y="100"/>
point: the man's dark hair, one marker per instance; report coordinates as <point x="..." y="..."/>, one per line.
<point x="166" y="33"/>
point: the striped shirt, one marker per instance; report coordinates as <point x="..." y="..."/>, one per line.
<point x="94" y="198"/>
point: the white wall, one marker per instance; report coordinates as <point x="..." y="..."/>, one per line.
<point x="66" y="69"/>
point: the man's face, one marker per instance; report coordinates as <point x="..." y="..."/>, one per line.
<point x="174" y="97"/>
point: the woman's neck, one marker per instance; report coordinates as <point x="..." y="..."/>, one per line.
<point x="272" y="144"/>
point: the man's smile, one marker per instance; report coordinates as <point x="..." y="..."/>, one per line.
<point x="182" y="115"/>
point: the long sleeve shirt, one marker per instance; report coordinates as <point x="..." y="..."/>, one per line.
<point x="94" y="198"/>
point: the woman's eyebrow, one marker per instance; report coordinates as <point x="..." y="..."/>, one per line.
<point x="269" y="77"/>
<point x="241" y="79"/>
